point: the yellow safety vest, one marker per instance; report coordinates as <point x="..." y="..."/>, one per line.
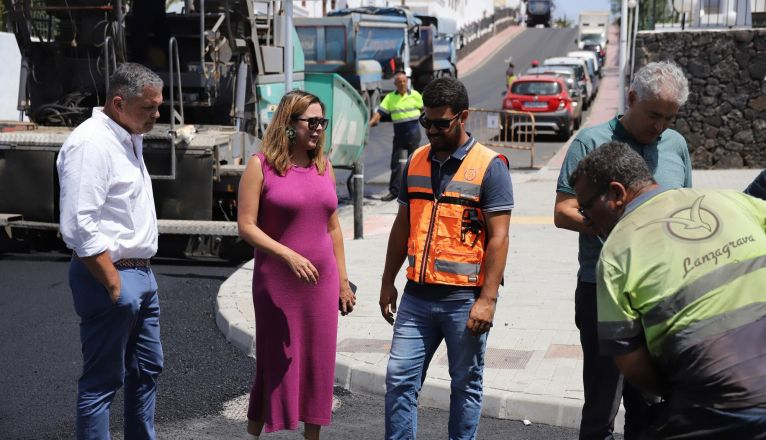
<point x="403" y="108"/>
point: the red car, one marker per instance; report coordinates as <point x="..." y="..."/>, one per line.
<point x="548" y="99"/>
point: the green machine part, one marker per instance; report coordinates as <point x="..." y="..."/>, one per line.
<point x="348" y="115"/>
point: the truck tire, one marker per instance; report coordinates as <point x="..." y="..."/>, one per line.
<point x="566" y="132"/>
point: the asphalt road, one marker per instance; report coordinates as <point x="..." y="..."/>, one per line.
<point x="41" y="359"/>
<point x="203" y="390"/>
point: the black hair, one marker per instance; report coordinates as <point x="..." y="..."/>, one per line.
<point x="446" y="91"/>
<point x="613" y="162"/>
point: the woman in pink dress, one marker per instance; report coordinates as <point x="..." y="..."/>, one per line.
<point x="287" y="212"/>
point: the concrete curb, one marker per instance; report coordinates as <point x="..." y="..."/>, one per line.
<point x="229" y="314"/>
<point x="361" y="377"/>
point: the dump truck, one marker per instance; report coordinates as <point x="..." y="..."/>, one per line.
<point x="435" y="55"/>
<point x="539" y="12"/>
<point x="366" y="46"/>
<point x="222" y="62"/>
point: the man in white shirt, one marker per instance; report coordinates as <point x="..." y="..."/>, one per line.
<point x="108" y="220"/>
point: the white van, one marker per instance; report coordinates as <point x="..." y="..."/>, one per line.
<point x="586" y="54"/>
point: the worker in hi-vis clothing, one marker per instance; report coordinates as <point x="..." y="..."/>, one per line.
<point x="402" y="107"/>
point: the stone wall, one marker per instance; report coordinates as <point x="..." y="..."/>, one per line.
<point x="724" y="121"/>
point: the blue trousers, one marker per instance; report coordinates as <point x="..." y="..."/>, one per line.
<point x="420" y="327"/>
<point x="120" y="346"/>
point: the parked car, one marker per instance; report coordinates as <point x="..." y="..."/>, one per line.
<point x="546" y="97"/>
<point x="573" y="86"/>
<point x="592" y="38"/>
<point x="598" y="49"/>
<point x="581" y="67"/>
<point x="588" y="55"/>
<point x="592" y="74"/>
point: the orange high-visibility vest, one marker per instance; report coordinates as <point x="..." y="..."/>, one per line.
<point x="448" y="236"/>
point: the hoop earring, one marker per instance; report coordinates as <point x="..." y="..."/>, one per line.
<point x="290" y="131"/>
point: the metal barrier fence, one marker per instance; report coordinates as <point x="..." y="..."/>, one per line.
<point x="475" y="30"/>
<point x="503" y="129"/>
<point x="695" y="14"/>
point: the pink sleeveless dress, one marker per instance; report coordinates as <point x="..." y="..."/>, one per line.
<point x="295" y="323"/>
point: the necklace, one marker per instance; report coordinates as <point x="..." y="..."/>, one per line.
<point x="297" y="165"/>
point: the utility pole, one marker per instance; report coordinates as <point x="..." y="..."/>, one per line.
<point x="288" y="45"/>
<point x="623" y="56"/>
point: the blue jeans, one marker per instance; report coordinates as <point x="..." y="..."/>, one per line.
<point x="420" y="327"/>
<point x="120" y="345"/>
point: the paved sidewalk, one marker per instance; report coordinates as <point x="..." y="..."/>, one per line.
<point x="483" y="53"/>
<point x="533" y="362"/>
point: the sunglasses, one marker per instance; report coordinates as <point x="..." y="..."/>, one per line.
<point x="588" y="204"/>
<point x="315" y="122"/>
<point x="441" y="124"/>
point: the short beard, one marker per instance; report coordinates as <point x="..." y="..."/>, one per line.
<point x="445" y="141"/>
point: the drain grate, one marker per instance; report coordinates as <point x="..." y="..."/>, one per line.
<point x="359" y="345"/>
<point x="559" y="351"/>
<point x="500" y="358"/>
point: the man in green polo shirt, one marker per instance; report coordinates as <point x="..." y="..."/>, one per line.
<point x="657" y="92"/>
<point x="681" y="295"/>
<point x="403" y="107"/>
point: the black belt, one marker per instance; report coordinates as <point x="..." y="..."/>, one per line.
<point x="132" y="262"/>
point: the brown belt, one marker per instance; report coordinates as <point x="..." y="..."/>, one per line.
<point x="132" y="262"/>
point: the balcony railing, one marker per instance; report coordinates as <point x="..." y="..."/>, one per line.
<point x="701" y="14"/>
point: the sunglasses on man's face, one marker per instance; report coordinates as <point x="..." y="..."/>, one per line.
<point x="315" y="122"/>
<point x="441" y="124"/>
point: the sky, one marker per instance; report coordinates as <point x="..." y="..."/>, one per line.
<point x="572" y="8"/>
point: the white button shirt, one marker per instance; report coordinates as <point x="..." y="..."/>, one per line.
<point x="106" y="193"/>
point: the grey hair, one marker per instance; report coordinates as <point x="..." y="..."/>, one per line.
<point x="613" y="162"/>
<point x="661" y="79"/>
<point x="130" y="79"/>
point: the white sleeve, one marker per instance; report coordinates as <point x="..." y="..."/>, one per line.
<point x="84" y="170"/>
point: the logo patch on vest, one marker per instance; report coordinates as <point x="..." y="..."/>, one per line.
<point x="470" y="174"/>
<point x="692" y="223"/>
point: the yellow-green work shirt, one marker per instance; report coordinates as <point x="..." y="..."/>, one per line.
<point x="684" y="273"/>
<point x="403" y="111"/>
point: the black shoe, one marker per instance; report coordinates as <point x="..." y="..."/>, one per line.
<point x="388" y="197"/>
